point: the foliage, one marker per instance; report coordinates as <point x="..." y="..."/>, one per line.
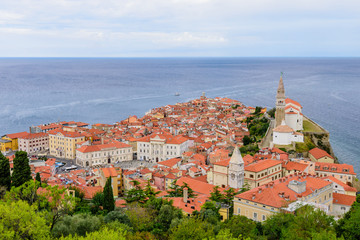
<point x="104" y="234"/>
<point x="117" y="215"/>
<point x="190" y="228"/>
<point x="274" y="225"/>
<point x="135" y="194"/>
<point x="348" y="226"/>
<point x="271" y="112"/>
<point x="307" y="222"/>
<point x="79" y="224"/>
<point x="5" y="178"/>
<point x="19" y="220"/>
<point x="141" y="219"/>
<point x="97" y="202"/>
<point x="27" y="192"/>
<point x="38" y="178"/>
<point x="240" y="226"/>
<point x="109" y="202"/>
<point x="22" y="172"/>
<point x="246" y="140"/>
<point x="178" y="191"/>
<point x="216" y="195"/>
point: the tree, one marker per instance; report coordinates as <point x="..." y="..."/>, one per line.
<point x="19" y="220"/>
<point x="149" y="191"/>
<point x="79" y="224"/>
<point x="271" y="112"/>
<point x="241" y="226"/>
<point x="348" y="226"/>
<point x="104" y="234"/>
<point x="136" y="194"/>
<point x="178" y="191"/>
<point x="109" y="202"/>
<point x="246" y="140"/>
<point x="118" y="215"/>
<point x="27" y="192"/>
<point x="216" y="195"/>
<point x="273" y="226"/>
<point x="38" y="178"/>
<point x="22" y="172"/>
<point x="96" y="202"/>
<point x="190" y="228"/>
<point x="59" y="202"/>
<point x="307" y="222"/>
<point x="5" y="178"/>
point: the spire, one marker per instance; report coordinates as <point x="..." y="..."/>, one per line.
<point x="236" y="157"/>
<point x="281" y="89"/>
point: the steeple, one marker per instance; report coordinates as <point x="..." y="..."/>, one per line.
<point x="281" y="89"/>
<point x="236" y="170"/>
<point x="280" y="102"/>
<point x="236" y="157"/>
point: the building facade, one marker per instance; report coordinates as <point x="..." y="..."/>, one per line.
<point x="88" y="156"/>
<point x="62" y="144"/>
<point x="34" y="142"/>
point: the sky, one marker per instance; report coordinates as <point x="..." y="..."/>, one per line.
<point x="179" y="28"/>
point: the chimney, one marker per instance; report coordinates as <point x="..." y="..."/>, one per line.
<point x="185" y="193"/>
<point x="102" y="140"/>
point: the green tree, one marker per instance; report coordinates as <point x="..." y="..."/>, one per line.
<point x="178" y="191"/>
<point x="109" y="202"/>
<point x="38" y="178"/>
<point x="274" y="226"/>
<point x="117" y="215"/>
<point x="5" y="178"/>
<point x="141" y="219"/>
<point x="190" y="228"/>
<point x="27" y="192"/>
<point x="349" y="226"/>
<point x="240" y="226"/>
<point x="216" y="195"/>
<point x="22" y="172"/>
<point x="97" y="202"/>
<point x="79" y="224"/>
<point x="104" y="234"/>
<point x="271" y="112"/>
<point x="246" y="140"/>
<point x="136" y="194"/>
<point x="307" y="222"/>
<point x="149" y="191"/>
<point x="19" y="220"/>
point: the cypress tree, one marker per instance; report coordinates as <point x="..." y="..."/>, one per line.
<point x="109" y="202"/>
<point x="22" y="172"/>
<point x="5" y="178"/>
<point x="38" y="178"/>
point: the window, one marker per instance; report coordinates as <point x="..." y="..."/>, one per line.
<point x="239" y="210"/>
<point x="255" y="216"/>
<point x="263" y="217"/>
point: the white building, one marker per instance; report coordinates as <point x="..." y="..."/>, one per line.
<point x="285" y="135"/>
<point x="34" y="142"/>
<point x="109" y="153"/>
<point x="293" y="115"/>
<point x="161" y="147"/>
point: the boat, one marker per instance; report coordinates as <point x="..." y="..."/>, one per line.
<point x="177" y="94"/>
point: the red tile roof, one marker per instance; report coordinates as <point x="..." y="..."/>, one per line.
<point x="338" y="182"/>
<point x="17" y="135"/>
<point x="318" y="153"/>
<point x="170" y="162"/>
<point x="196" y="185"/>
<point x="294" y="166"/>
<point x="271" y="194"/>
<point x="34" y="135"/>
<point x="343" y="199"/>
<point x="261" y="165"/>
<point x="335" y="168"/>
<point x="109" y="172"/>
<point x="96" y="148"/>
<point x="288" y="101"/>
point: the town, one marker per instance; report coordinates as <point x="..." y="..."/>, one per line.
<point x="267" y="159"/>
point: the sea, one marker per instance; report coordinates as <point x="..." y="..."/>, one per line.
<point x="34" y="91"/>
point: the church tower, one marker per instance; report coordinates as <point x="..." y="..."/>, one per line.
<point x="236" y="170"/>
<point x="280" y="103"/>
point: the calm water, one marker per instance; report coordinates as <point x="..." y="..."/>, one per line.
<point x="35" y="91"/>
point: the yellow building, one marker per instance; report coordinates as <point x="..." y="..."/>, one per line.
<point x="116" y="179"/>
<point x="285" y="194"/>
<point x="9" y="142"/>
<point x="62" y="142"/>
<point x="319" y="155"/>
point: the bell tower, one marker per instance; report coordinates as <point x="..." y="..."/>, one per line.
<point x="280" y="102"/>
<point x="236" y="170"/>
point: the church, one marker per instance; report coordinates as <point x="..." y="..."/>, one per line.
<point x="288" y="118"/>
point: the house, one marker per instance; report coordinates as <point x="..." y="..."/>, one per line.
<point x="319" y="155"/>
<point x="285" y="135"/>
<point x="9" y="142"/>
<point x="342" y="204"/>
<point x="293" y="115"/>
<point x="62" y="142"/>
<point x="262" y="202"/>
<point x="34" y="142"/>
<point x="109" y="153"/>
<point x="343" y="172"/>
